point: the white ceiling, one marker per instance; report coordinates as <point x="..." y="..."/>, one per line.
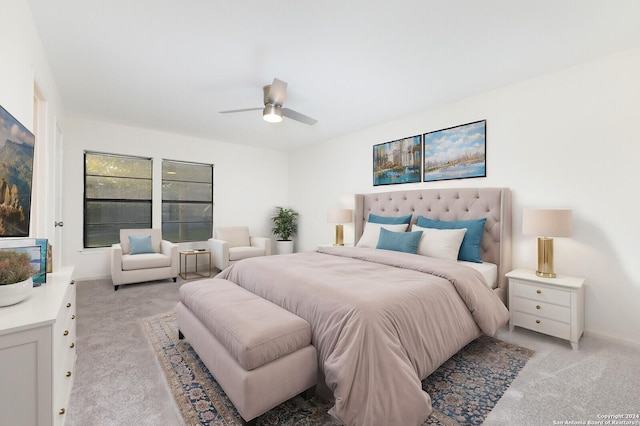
<point x="172" y="65"/>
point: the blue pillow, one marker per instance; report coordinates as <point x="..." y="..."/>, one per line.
<point x="470" y="248"/>
<point x="140" y="244"/>
<point x="399" y="241"/>
<point x="389" y="220"/>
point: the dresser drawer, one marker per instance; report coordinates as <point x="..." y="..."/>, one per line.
<point x="65" y="355"/>
<point x="64" y="330"/>
<point x="541" y="325"/>
<point x="540" y="293"/>
<point x="542" y="309"/>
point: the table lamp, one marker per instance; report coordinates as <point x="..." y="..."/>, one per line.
<point x="339" y="216"/>
<point x="545" y="224"/>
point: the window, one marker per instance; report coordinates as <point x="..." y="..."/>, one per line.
<point x="187" y="201"/>
<point x="117" y="194"/>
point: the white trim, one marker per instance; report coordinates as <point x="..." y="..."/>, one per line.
<point x="612" y="339"/>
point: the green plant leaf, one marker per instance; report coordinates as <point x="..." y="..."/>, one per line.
<point x="285" y="223"/>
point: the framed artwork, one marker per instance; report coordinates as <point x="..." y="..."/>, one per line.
<point x="455" y="153"/>
<point x="42" y="271"/>
<point x="29" y="245"/>
<point x="16" y="173"/>
<point x="35" y="254"/>
<point x="397" y="161"/>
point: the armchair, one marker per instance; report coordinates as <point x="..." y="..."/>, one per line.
<point x="233" y="243"/>
<point x="149" y="258"/>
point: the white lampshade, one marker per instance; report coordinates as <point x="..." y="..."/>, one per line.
<point x="272" y="113"/>
<point x="546" y="222"/>
<point x="339" y="215"/>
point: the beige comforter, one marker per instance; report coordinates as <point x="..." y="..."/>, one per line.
<point x="381" y="321"/>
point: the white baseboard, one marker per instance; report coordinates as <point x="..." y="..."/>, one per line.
<point x="612" y="339"/>
<point x="92" y="278"/>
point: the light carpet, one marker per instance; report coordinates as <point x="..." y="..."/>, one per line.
<point x="463" y="390"/>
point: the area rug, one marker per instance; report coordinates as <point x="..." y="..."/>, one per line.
<point x="463" y="390"/>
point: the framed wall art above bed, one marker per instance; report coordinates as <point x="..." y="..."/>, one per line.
<point x="455" y="153"/>
<point x="397" y="161"/>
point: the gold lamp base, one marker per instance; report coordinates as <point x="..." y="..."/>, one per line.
<point x="545" y="258"/>
<point x="339" y="236"/>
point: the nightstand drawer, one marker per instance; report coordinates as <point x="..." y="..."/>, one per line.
<point x="542" y="309"/>
<point x="542" y="325"/>
<point x="541" y="293"/>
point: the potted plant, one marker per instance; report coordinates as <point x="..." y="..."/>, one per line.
<point x="285" y="225"/>
<point x="15" y="277"/>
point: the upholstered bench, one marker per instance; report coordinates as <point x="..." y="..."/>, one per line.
<point x="260" y="353"/>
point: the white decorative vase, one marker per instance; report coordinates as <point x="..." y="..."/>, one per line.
<point x="284" y="246"/>
<point x="10" y="294"/>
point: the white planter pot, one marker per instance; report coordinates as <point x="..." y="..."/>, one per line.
<point x="284" y="247"/>
<point x="11" y="294"/>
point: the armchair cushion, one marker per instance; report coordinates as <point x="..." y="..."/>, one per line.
<point x="132" y="262"/>
<point x="235" y="236"/>
<point x="239" y="253"/>
<point x="140" y="244"/>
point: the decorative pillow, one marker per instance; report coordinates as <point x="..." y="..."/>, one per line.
<point x="389" y="220"/>
<point x="399" y="241"/>
<point x="140" y="244"/>
<point x="440" y="243"/>
<point x="371" y="234"/>
<point x="470" y="248"/>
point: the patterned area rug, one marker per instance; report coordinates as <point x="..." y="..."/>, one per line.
<point x="463" y="390"/>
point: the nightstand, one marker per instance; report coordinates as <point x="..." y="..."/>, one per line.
<point x="553" y="306"/>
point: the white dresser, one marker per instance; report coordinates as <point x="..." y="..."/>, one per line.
<point x="38" y="353"/>
<point x="553" y="306"/>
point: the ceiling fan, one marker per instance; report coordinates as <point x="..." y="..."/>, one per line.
<point x="273" y="110"/>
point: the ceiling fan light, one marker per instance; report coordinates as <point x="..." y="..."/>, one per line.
<point x="272" y="113"/>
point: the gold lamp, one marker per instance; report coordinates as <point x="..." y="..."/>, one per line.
<point x="545" y="224"/>
<point x="339" y="216"/>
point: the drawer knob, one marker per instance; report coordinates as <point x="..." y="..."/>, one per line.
<point x="69" y="305"/>
<point x="537" y="321"/>
<point x="72" y="345"/>
<point x="539" y="291"/>
<point x="73" y="316"/>
<point x="62" y="411"/>
<point x="66" y="332"/>
<point x="72" y="282"/>
<point x="538" y="307"/>
<point x="68" y="374"/>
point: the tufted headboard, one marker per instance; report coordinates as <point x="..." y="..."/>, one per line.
<point x="451" y="204"/>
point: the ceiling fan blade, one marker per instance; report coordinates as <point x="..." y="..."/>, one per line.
<point x="239" y="110"/>
<point x="295" y="115"/>
<point x="277" y="92"/>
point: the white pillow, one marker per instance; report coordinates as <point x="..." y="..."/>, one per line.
<point x="440" y="243"/>
<point x="371" y="233"/>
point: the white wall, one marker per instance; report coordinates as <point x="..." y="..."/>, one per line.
<point x="248" y="182"/>
<point x="23" y="65"/>
<point x="567" y="139"/>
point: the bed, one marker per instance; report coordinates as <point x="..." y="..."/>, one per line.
<point x="383" y="320"/>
